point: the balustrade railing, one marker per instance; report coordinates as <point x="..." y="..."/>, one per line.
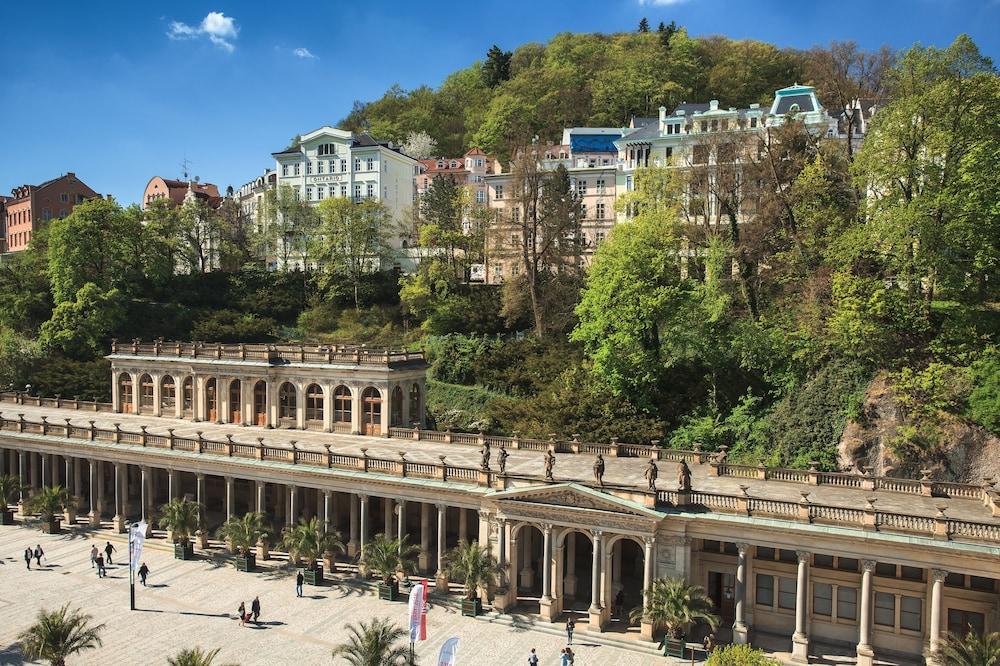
<point x="322" y="354"/>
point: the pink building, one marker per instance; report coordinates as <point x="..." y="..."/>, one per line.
<point x="30" y="205"/>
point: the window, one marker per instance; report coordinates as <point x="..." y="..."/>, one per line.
<point x="370" y="164"/>
<point x="314" y="403"/>
<point x="343" y="166"/>
<point x="343" y="190"/>
<point x="320" y="192"/>
<point x="847" y="564"/>
<point x="581" y="188"/>
<point x="704" y="126"/>
<point x="980" y="583"/>
<point x="823" y="599"/>
<point x="700" y="155"/>
<point x="498" y="192"/>
<point x="480" y="196"/>
<point x="357" y="164"/>
<point x="309" y="168"/>
<point x="824" y="561"/>
<point x="600" y="186"/>
<point x="911" y="573"/>
<point x="327" y="149"/>
<point x="786" y="593"/>
<point x="79" y="198"/>
<point x="753" y="122"/>
<point x="370" y="190"/>
<point x="600" y="237"/>
<point x="885" y="569"/>
<point x="64" y="197"/>
<point x="319" y="166"/>
<point x="960" y="622"/>
<point x="284" y="169"/>
<point x="764" y="553"/>
<point x="910" y="613"/>
<point x="513" y="240"/>
<point x="764" y="594"/>
<point x="788" y="556"/>
<point x="847" y="603"/>
<point x="342" y="405"/>
<point x="296" y="192"/>
<point x="357" y="190"/>
<point x="515" y="269"/>
<point x="425" y="182"/>
<point x="583" y="211"/>
<point x="885" y="609"/>
<point x="515" y="215"/>
<point x="955" y="580"/>
<point x="309" y="192"/>
<point x="600" y="211"/>
<point x="296" y="169"/>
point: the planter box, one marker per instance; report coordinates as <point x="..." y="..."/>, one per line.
<point x="248" y="563"/>
<point x="313" y="575"/>
<point x="184" y="551"/>
<point x="7" y="517"/>
<point x="389" y="592"/>
<point x="673" y="647"/>
<point x="472" y="608"/>
<point x="51" y="526"/>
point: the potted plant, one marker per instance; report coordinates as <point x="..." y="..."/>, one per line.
<point x="307" y="541"/>
<point x="375" y="642"/>
<point x="10" y="486"/>
<point x="243" y="534"/>
<point x="60" y="634"/>
<point x="49" y="503"/>
<point x="673" y="605"/>
<point x="385" y="557"/>
<point x="475" y="567"/>
<point x="181" y="517"/>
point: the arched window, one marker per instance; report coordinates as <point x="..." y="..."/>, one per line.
<point x="396" y="415"/>
<point x="235" y="401"/>
<point x="260" y="403"/>
<point x="168" y="393"/>
<point x="187" y="390"/>
<point x="211" y="400"/>
<point x="125" y="398"/>
<point x="314" y="403"/>
<point x="342" y="404"/>
<point x="415" y="404"/>
<point x="146" y="391"/>
<point x="371" y="411"/>
<point x="286" y="401"/>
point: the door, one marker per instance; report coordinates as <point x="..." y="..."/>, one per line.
<point x="371" y="406"/>
<point x="721" y="589"/>
<point x="235" y="402"/>
<point x="211" y="401"/>
<point x="260" y="403"/>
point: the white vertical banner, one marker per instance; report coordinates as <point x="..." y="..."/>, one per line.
<point x="416" y="608"/>
<point x="138" y="538"/>
<point x="449" y="652"/>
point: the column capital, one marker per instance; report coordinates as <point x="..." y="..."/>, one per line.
<point x="649" y="541"/>
<point x="743" y="548"/>
<point x="228" y="479"/>
<point x="327" y="493"/>
<point x="547" y="529"/>
<point x="441" y="506"/>
<point x="867" y="566"/>
<point x="803" y="556"/>
<point x="938" y="575"/>
<point x="363" y="497"/>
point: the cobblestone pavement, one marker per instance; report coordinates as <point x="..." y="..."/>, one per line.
<point x="194" y="603"/>
<point x="569" y="467"/>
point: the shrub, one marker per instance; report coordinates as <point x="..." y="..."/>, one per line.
<point x="739" y="655"/>
<point x="984" y="398"/>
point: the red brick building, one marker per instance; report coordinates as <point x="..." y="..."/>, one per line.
<point x="175" y="190"/>
<point x="29" y="205"/>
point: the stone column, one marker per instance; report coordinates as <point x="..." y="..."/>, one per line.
<point x="120" y="486"/>
<point x="100" y="489"/>
<point x="648" y="561"/>
<point x="45" y="469"/>
<point x="352" y="545"/>
<point x="934" y="629"/>
<point x="33" y="471"/>
<point x="157" y="398"/>
<point x="424" y="558"/>
<point x="326" y="510"/>
<point x="69" y="514"/>
<point x="740" y="632"/>
<point x="77" y="480"/>
<point x="363" y="531"/>
<point x="400" y="521"/>
<point x="441" y="578"/>
<point x="54" y="473"/>
<point x="594" y="612"/>
<point x="463" y="525"/>
<point x="229" y="497"/>
<point x="387" y="510"/>
<point x="328" y="407"/>
<point x="386" y="411"/>
<point x="547" y="603"/>
<point x="144" y="498"/>
<point x="569" y="586"/>
<point x="866" y="656"/>
<point x="95" y="516"/>
<point x="356" y="408"/>
<point x="300" y="407"/>
<point x="293" y="506"/>
<point x="261" y="500"/>
<point x="800" y="639"/>
<point x="171" y="485"/>
<point x="22" y="475"/>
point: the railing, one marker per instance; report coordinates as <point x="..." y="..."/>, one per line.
<point x="322" y="354"/>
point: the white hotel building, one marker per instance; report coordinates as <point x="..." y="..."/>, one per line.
<point x="330" y="162"/>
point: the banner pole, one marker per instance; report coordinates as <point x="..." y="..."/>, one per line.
<point x="131" y="572"/>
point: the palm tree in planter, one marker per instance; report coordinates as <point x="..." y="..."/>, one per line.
<point x="374" y="644"/>
<point x="194" y="657"/>
<point x="10" y="486"/>
<point x="307" y="541"/>
<point x="243" y="534"/>
<point x="972" y="649"/>
<point x="181" y="517"/>
<point x="475" y="567"/>
<point x="59" y="634"/>
<point x="385" y="557"/>
<point x="49" y="503"/>
<point x="674" y="606"/>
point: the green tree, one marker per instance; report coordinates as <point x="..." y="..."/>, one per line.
<point x="82" y="327"/>
<point x="352" y="243"/>
<point x="984" y="398"/>
<point x="385" y="556"/>
<point x="308" y="541"/>
<point x="194" y="657"/>
<point x="374" y="643"/>
<point x="739" y="655"/>
<point x="473" y="566"/>
<point x="496" y="68"/>
<point x="243" y="532"/>
<point x="182" y="518"/>
<point x="643" y="24"/>
<point x="10" y="487"/>
<point x="972" y="649"/>
<point x="59" y="634"/>
<point x="288" y="225"/>
<point x="675" y="606"/>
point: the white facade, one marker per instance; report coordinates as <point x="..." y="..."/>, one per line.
<point x="249" y="198"/>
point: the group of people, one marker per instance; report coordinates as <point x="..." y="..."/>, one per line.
<point x="37" y="553"/>
<point x="253" y="615"/>
<point x="98" y="560"/>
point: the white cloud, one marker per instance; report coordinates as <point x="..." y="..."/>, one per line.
<point x="304" y="53"/>
<point x="220" y="29"/>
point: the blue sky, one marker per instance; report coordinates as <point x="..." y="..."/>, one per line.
<point x="121" y="91"/>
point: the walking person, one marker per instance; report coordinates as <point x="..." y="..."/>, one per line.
<point x="563" y="658"/>
<point x="93" y="555"/>
<point x="27" y="557"/>
<point x="143" y="572"/>
<point x="108" y="549"/>
<point x="242" y="610"/>
<point x="570" y="655"/>
<point x="570" y="626"/>
<point x="298" y="584"/>
<point x="532" y="658"/>
<point x="255" y="609"/>
<point x="38" y="554"/>
<point x="101" y="571"/>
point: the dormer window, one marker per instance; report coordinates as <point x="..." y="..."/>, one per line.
<point x="326" y="149"/>
<point x="453" y="165"/>
<point x="440" y="165"/>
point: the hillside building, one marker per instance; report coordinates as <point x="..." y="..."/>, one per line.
<point x="30" y="205"/>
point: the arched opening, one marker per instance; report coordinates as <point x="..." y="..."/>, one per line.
<point x="286" y="404"/>
<point x="187" y="396"/>
<point x="314" y="404"/>
<point x="528" y="560"/>
<point x="146" y="392"/>
<point x="415" y="415"/>
<point x="627" y="564"/>
<point x="576" y="567"/>
<point x="342" y="404"/>
<point x="168" y="395"/>
<point x="125" y="398"/>
<point x="211" y="400"/>
<point x="260" y="403"/>
<point x="396" y="411"/>
<point x="371" y="412"/>
<point x="235" y="401"/>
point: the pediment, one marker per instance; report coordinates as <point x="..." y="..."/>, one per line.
<point x="572" y="496"/>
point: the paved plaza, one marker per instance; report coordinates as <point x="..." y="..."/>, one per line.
<point x="194" y="603"/>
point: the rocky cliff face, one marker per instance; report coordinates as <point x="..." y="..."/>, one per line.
<point x="967" y="453"/>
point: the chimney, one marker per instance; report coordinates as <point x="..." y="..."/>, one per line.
<point x="713" y="105"/>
